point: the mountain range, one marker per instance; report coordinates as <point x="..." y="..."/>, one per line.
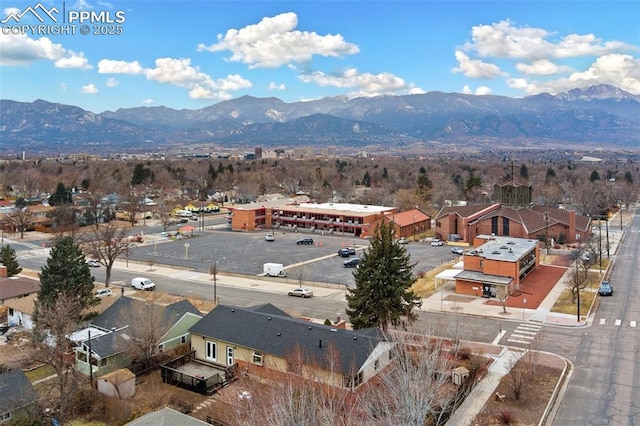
<point x="595" y="117"/>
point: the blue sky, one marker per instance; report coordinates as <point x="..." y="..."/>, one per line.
<point x="191" y="54"/>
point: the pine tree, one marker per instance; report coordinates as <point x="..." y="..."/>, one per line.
<point x="8" y="259"/>
<point x="384" y="277"/>
<point x="66" y="273"/>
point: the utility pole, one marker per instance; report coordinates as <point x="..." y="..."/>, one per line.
<point x="546" y="231"/>
<point x="578" y="288"/>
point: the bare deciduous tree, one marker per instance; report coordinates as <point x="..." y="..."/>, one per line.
<point x="105" y="244"/>
<point x="21" y="220"/>
<point x="518" y="377"/>
<point x="52" y="348"/>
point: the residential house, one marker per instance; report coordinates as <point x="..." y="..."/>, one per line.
<point x="409" y="224"/>
<point x="20" y="311"/>
<point x="496" y="264"/>
<point x="265" y="341"/>
<point x="19" y="399"/>
<point x="129" y="323"/>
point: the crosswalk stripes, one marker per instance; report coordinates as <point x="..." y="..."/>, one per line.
<point x="618" y="322"/>
<point x="524" y="333"/>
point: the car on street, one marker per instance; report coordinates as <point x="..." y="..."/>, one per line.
<point x="93" y="263"/>
<point x="352" y="250"/>
<point x="457" y="250"/>
<point x="141" y="283"/>
<point x="343" y="252"/>
<point x="301" y="292"/>
<point x="352" y="263"/>
<point x="104" y="292"/>
<point x="194" y="218"/>
<point x="305" y="241"/>
<point x="269" y="237"/>
<point x="436" y="242"/>
<point x="183" y="220"/>
<point x="605" y="289"/>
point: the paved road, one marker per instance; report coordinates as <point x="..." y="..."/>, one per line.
<point x="605" y="388"/>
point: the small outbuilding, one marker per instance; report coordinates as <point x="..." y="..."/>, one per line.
<point x="119" y="384"/>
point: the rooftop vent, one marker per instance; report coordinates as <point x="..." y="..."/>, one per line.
<point x="279" y="334"/>
<point x="309" y="327"/>
<point x="513" y="243"/>
<point x="269" y="319"/>
<point x="503" y="248"/>
<point x="334" y="330"/>
<point x="495" y="252"/>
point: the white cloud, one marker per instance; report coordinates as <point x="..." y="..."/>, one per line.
<point x="108" y="66"/>
<point x="11" y="11"/>
<point x="273" y="42"/>
<point x="73" y="61"/>
<point x="274" y="86"/>
<point x="21" y="50"/>
<point x="542" y="67"/>
<point x="475" y="68"/>
<point x="180" y="72"/>
<point x="365" y="84"/>
<point x="111" y="82"/>
<point x="482" y="90"/>
<point x="622" y="71"/>
<point x="89" y="89"/>
<point x="504" y="40"/>
<point x="148" y="101"/>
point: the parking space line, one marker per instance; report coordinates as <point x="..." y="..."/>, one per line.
<point x="632" y="323"/>
<point x="618" y="322"/>
<point x="603" y="321"/>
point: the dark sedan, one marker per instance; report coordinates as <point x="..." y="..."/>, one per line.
<point x="605" y="289"/>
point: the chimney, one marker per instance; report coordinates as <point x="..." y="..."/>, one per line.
<point x="3" y="271"/>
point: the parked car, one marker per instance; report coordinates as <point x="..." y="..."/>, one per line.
<point x="269" y="237"/>
<point x="195" y="218"/>
<point x="183" y="220"/>
<point x="352" y="263"/>
<point x="104" y="292"/>
<point x="301" y="292"/>
<point x="457" y="250"/>
<point x="140" y="283"/>
<point x="305" y="241"/>
<point x="403" y="240"/>
<point x="343" y="252"/>
<point x="93" y="263"/>
<point x="352" y="250"/>
<point x="605" y="289"/>
<point x="436" y="242"/>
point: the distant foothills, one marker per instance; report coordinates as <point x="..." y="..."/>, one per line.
<point x="598" y="117"/>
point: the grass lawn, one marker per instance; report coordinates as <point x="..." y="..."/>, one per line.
<point x="565" y="303"/>
<point x="39" y="373"/>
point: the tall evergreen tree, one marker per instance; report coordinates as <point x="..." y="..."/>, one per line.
<point x="66" y="273"/>
<point x="8" y="259"/>
<point x="384" y="277"/>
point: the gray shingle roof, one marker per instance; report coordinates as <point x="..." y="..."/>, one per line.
<point x="264" y="330"/>
<point x="119" y="314"/>
<point x="110" y="344"/>
<point x="16" y="391"/>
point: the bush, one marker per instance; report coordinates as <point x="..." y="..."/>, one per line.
<point x="506" y="418"/>
<point x="464" y="354"/>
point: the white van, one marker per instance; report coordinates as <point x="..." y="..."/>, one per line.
<point x="141" y="283"/>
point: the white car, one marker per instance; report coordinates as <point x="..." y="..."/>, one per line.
<point x="93" y="263"/>
<point x="140" y="283"/>
<point x="436" y="242"/>
<point x="104" y="292"/>
<point x="269" y="237"/>
<point x="301" y="292"/>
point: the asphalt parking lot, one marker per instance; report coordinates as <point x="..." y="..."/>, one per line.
<point x="247" y="252"/>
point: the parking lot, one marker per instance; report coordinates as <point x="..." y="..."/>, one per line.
<point x="246" y="253"/>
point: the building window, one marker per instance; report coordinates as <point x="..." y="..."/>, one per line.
<point x="352" y="382"/>
<point x="494" y="225"/>
<point x="103" y="362"/>
<point x="505" y="226"/>
<point x="211" y="350"/>
<point x="229" y="355"/>
<point x="183" y="339"/>
<point x="5" y="416"/>
<point x="258" y="358"/>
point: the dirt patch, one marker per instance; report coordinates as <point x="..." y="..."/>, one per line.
<point x="531" y="406"/>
